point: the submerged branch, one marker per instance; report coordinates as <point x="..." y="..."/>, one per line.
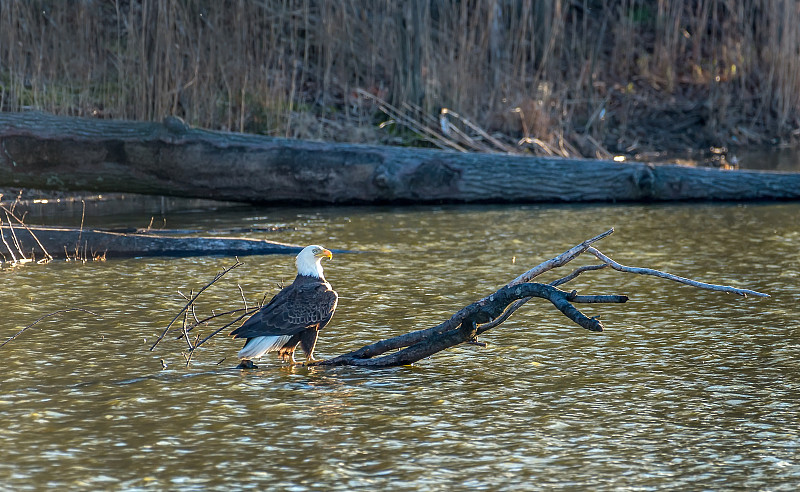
<point x="470" y="317"/>
<point x="491" y="311"/>
<point x="47" y="316"/>
<point x="454" y="322"/>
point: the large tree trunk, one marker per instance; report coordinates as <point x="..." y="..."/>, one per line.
<point x="44" y="151"/>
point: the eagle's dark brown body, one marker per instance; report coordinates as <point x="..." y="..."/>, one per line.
<point x="294" y="316"/>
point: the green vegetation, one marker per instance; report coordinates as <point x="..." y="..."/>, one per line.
<point x="590" y="77"/>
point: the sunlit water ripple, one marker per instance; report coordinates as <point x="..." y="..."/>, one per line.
<point x="685" y="390"/>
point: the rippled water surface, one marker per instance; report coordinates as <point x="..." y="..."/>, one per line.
<point x="685" y="390"/>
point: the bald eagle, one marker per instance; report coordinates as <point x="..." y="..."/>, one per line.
<point x="294" y="316"/>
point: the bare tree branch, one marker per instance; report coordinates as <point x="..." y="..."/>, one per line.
<point x="575" y="273"/>
<point x="47" y="316"/>
<point x="470" y="316"/>
<point x="694" y="283"/>
<point x="21" y="222"/>
<point x="519" y="303"/>
<point x="219" y="276"/>
<point x="215" y="316"/>
<point x="492" y="310"/>
<point x="559" y="260"/>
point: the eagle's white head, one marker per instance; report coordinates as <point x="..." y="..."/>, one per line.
<point x="308" y="260"/>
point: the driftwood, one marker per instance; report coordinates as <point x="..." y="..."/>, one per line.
<point x="44" y="151"/>
<point x="477" y="318"/>
<point x="74" y="242"/>
<point x="489" y="312"/>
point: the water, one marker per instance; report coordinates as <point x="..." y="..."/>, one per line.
<point x="770" y="159"/>
<point x="685" y="390"/>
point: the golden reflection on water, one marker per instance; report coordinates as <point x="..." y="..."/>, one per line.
<point x="686" y="388"/>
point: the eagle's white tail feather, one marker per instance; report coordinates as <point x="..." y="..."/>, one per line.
<point x="258" y="346"/>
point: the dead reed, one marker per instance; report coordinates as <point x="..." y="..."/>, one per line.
<point x="550" y="76"/>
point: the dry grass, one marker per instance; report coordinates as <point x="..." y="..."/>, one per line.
<point x="557" y="77"/>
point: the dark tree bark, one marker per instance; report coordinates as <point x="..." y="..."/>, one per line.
<point x="43" y="151"/>
<point x="463" y="326"/>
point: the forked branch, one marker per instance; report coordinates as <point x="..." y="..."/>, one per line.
<point x="491" y="311"/>
<point x="193" y="299"/>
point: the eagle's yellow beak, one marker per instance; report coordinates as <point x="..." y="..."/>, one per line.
<point x="325" y="253"/>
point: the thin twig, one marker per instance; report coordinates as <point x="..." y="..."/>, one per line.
<point x="47" y="316"/>
<point x="191" y="351"/>
<point x="443" y="126"/>
<point x="214" y="316"/>
<point x="480" y="131"/>
<point x="21" y="222"/>
<point x="559" y="260"/>
<point x="217" y="277"/>
<point x="80" y="233"/>
<point x="3" y="237"/>
<point x="576" y="272"/>
<point x="222" y="328"/>
<point x="194" y="312"/>
<point x="14" y="237"/>
<point x="423" y="131"/>
<point x="192" y="307"/>
<point x="656" y="273"/>
<point x="185" y="317"/>
<point x="17" y="200"/>
<point x="241" y="293"/>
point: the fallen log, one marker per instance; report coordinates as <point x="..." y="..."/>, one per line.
<point x="87" y="244"/>
<point x="38" y="150"/>
<point x="487" y="313"/>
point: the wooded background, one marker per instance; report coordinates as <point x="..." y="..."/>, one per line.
<point x="587" y="77"/>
